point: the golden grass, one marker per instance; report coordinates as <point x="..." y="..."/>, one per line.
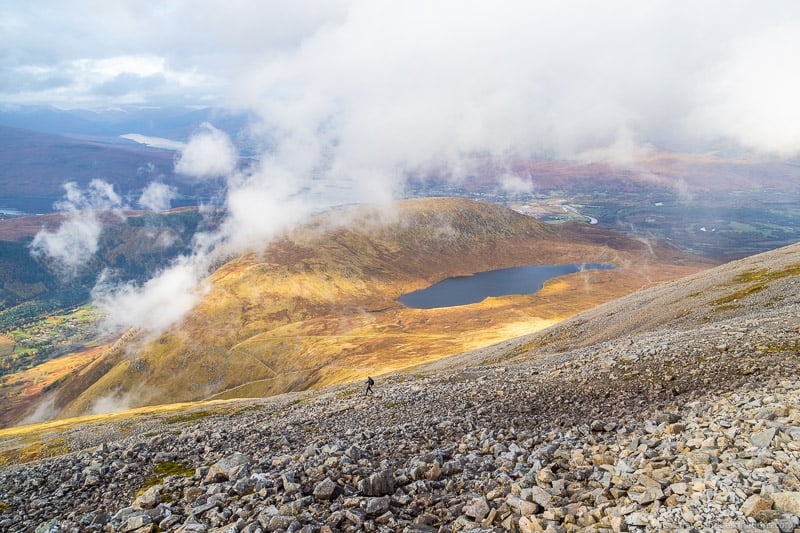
<point x="318" y="306"/>
<point x="757" y="280"/>
<point x="22" y="388"/>
<point x="65" y="424"/>
<point x="6" y="345"/>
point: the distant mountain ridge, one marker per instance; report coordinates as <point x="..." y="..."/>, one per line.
<point x="176" y="123"/>
<point x="34" y="167"/>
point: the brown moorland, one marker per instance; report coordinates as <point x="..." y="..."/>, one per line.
<point x="319" y="305"/>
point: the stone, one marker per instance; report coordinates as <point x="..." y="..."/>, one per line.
<point x="787" y="502"/>
<point x="541" y="497"/>
<point x="766" y="515"/>
<point x="637" y="519"/>
<point x="762" y="439"/>
<point x="618" y="524"/>
<point x="137" y="521"/>
<point x="377" y="505"/>
<point x="477" y="508"/>
<point x="530" y="524"/>
<point x="230" y="468"/>
<point x="279" y="522"/>
<point x="378" y="484"/>
<point x="149" y="498"/>
<point x="355" y="517"/>
<point x="667" y="418"/>
<point x="650" y="495"/>
<point x="755" y="503"/>
<point x="192" y="526"/>
<point x="679" y="488"/>
<point x="51" y="526"/>
<point x="527" y="508"/>
<point x="326" y="489"/>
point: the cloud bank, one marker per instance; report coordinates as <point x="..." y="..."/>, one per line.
<point x="411" y="81"/>
<point x="354" y="95"/>
<point x="156" y="304"/>
<point x="208" y="154"/>
<point x="157" y="196"/>
<point x="73" y="244"/>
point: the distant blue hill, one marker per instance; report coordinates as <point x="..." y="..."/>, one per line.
<point x="34" y="167"/>
<point x="176" y="123"/>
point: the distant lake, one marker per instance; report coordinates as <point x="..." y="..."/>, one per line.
<point x="503" y="282"/>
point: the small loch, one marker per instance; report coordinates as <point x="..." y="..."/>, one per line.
<point x="493" y="283"/>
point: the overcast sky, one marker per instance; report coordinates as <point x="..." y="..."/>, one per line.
<point x="352" y="95"/>
<point x="428" y="78"/>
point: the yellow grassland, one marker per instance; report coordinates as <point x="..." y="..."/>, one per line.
<point x="318" y="306"/>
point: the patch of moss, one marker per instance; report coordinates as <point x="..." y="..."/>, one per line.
<point x="34" y="450"/>
<point x="3" y="507"/>
<point x="740" y="295"/>
<point x="188" y="417"/>
<point x="164" y="470"/>
<point x="760" y="280"/>
<point x="392" y="405"/>
<point x="55" y="447"/>
<point x="30" y="452"/>
<point x="173" y="469"/>
<point x="751" y="275"/>
<point x="774" y="347"/>
<point x="246" y="408"/>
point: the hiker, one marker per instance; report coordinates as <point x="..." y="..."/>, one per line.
<point x="370" y="383"/>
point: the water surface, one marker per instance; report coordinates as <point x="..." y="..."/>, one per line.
<point x="503" y="282"/>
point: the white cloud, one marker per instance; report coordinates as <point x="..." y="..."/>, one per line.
<point x="753" y="96"/>
<point x="99" y="195"/>
<point x="73" y="244"/>
<point x="353" y="95"/>
<point x="514" y="184"/>
<point x="156" y="304"/>
<point x="208" y="154"/>
<point x="157" y="196"/>
<point x="69" y="247"/>
<point x="558" y="78"/>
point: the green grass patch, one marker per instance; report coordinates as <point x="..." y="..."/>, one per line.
<point x="740" y="295"/>
<point x="774" y="347"/>
<point x="760" y="280"/>
<point x="188" y="417"/>
<point x="392" y="405"/>
<point x="164" y="470"/>
<point x="173" y="469"/>
<point x="3" y="507"/>
<point x="751" y="275"/>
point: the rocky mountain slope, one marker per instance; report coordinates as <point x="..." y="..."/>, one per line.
<point x="319" y="306"/>
<point x="672" y="409"/>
